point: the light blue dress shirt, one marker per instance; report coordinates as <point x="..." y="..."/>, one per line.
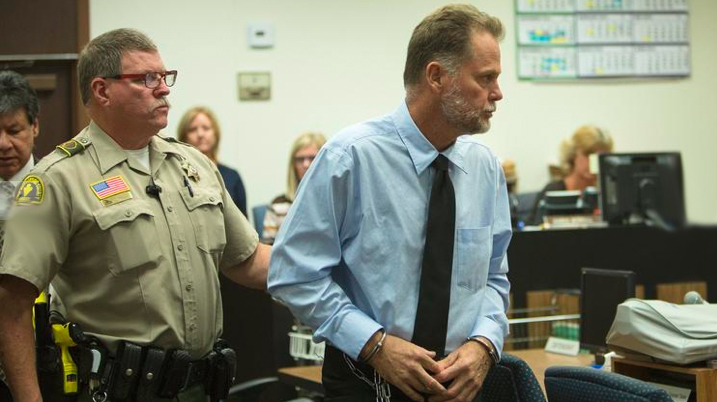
<point x="347" y="259"/>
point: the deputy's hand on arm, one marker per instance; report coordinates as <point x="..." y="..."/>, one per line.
<point x="467" y="366"/>
<point x="17" y="341"/>
<point x="253" y="271"/>
<point x="405" y="365"/>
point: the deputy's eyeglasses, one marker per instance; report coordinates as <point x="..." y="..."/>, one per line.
<point x="152" y="79"/>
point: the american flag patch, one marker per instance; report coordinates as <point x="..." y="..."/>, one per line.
<point x="107" y="188"/>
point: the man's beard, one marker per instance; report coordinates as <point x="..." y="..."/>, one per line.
<point x="458" y="111"/>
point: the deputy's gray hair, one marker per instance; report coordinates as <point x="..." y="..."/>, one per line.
<point x="102" y="57"/>
<point x="16" y="93"/>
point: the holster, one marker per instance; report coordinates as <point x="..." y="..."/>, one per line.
<point x="49" y="372"/>
<point x="175" y="373"/>
<point x="222" y="369"/>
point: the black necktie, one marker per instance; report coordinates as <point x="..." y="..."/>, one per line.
<point x="434" y="296"/>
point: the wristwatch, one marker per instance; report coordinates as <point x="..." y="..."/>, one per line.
<point x="488" y="345"/>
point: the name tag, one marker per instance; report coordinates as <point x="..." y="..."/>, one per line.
<point x="562" y="346"/>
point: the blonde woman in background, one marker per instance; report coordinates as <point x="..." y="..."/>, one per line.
<point x="303" y="152"/>
<point x="575" y="164"/>
<point x="200" y="127"/>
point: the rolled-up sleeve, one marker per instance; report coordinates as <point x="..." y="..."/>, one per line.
<point x="46" y="223"/>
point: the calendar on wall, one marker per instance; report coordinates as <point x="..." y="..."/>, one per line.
<point x="564" y="39"/>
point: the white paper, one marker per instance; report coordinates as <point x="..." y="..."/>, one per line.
<point x="676" y="393"/>
<point x="562" y="346"/>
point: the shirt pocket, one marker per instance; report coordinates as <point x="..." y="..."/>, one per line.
<point x="206" y="211"/>
<point x="473" y="249"/>
<point x="132" y="235"/>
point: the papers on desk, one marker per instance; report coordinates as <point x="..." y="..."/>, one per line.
<point x="573" y="221"/>
<point x="676" y="393"/>
<point x="562" y="346"/>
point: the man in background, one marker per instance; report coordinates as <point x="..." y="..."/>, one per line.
<point x="19" y="125"/>
<point x="395" y="248"/>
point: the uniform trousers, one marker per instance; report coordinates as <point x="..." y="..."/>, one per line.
<point x="5" y="395"/>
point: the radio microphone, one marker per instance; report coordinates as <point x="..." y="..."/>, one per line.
<point x="693" y="297"/>
<point x="153" y="190"/>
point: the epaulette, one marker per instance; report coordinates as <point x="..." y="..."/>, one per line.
<point x="63" y="151"/>
<point x="74" y="146"/>
<point x="174" y="141"/>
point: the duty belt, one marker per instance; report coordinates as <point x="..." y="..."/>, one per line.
<point x="144" y="373"/>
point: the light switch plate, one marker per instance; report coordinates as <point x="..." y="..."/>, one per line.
<point x="260" y="35"/>
<point x="254" y="86"/>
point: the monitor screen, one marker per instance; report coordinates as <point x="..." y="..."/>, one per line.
<point x="601" y="291"/>
<point x="642" y="188"/>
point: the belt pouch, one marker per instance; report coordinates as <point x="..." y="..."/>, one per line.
<point x="149" y="378"/>
<point x="217" y="369"/>
<point x="175" y="374"/>
<point x="230" y="357"/>
<point x="126" y="371"/>
<point x="222" y="363"/>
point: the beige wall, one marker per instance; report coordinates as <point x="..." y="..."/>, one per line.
<point x="337" y="62"/>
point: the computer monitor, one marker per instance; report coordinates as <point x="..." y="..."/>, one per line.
<point x="601" y="290"/>
<point x="642" y="188"/>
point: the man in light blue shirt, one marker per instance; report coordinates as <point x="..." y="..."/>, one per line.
<point x="347" y="259"/>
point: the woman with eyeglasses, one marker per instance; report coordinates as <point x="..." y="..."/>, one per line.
<point x="303" y="152"/>
<point x="200" y="127"/>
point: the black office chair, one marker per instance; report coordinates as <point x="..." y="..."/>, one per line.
<point x="511" y="380"/>
<point x="524" y="207"/>
<point x="584" y="384"/>
<point x="258" y="213"/>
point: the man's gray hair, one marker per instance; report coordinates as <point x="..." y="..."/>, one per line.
<point x="102" y="57"/>
<point x="16" y="93"/>
<point x="445" y="36"/>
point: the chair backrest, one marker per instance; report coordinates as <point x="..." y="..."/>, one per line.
<point x="258" y="213"/>
<point x="584" y="384"/>
<point x="526" y="201"/>
<point x="511" y="380"/>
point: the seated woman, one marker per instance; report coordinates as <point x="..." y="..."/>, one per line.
<point x="575" y="164"/>
<point x="200" y="128"/>
<point x="303" y="152"/>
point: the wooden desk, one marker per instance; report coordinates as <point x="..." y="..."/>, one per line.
<point x="702" y="380"/>
<point x="309" y="377"/>
<point x="306" y="377"/>
<point x="539" y="360"/>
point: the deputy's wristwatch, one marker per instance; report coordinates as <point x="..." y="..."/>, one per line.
<point x="488" y="345"/>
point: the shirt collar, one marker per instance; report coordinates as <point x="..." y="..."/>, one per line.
<point x="422" y="152"/>
<point x="110" y="154"/>
<point x="24" y="171"/>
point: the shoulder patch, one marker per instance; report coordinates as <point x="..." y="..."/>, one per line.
<point x="30" y="191"/>
<point x="73" y="147"/>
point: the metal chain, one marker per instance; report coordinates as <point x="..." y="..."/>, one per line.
<point x="379" y="384"/>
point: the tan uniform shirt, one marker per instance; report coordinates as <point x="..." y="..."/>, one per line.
<point x="142" y="269"/>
